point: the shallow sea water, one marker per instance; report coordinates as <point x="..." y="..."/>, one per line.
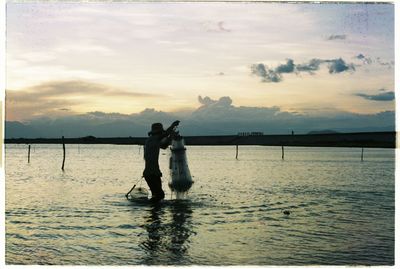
<point x="341" y="209"/>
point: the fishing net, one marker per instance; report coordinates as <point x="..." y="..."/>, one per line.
<point x="181" y="179"/>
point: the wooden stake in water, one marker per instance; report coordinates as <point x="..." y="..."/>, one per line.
<point x="362" y="154"/>
<point x="283" y="153"/>
<point x="62" y="139"/>
<point x="29" y="153"/>
<point x="237" y="151"/>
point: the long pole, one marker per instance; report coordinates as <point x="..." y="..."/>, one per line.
<point x="62" y="167"/>
<point x="237" y="151"/>
<point x="362" y="154"/>
<point x="127" y="194"/>
<point x="29" y="153"/>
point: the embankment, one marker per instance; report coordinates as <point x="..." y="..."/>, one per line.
<point x="366" y="140"/>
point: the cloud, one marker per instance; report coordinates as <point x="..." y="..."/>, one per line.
<point x="274" y="74"/>
<point x="360" y="56"/>
<point x="382" y="96"/>
<point x="311" y="66"/>
<point x="336" y="37"/>
<point x="285" y="68"/>
<point x="267" y="75"/>
<point x="224" y="101"/>
<point x="56" y="89"/>
<point x="213" y="117"/>
<point x="223" y="110"/>
<point x="58" y="97"/>
<point x="389" y="64"/>
<point x="339" y="66"/>
<point x="364" y="59"/>
<point x="206" y="100"/>
<point x="377" y="60"/>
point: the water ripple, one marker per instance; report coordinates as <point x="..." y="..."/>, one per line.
<point x="339" y="213"/>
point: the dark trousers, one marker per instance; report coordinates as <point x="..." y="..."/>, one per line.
<point x="154" y="183"/>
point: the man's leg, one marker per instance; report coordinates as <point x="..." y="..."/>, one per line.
<point x="155" y="186"/>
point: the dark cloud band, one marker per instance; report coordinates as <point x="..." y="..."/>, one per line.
<point x="57" y="97"/>
<point x="267" y="74"/>
<point x="336" y="37"/>
<point x="383" y="96"/>
<point x="213" y="117"/>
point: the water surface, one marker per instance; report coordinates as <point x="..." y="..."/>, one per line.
<point x="342" y="209"/>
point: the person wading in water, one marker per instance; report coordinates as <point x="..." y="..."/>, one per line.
<point x="158" y="138"/>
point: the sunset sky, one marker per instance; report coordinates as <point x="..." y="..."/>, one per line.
<point x="66" y="59"/>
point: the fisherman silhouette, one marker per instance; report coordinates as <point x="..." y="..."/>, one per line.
<point x="158" y="138"/>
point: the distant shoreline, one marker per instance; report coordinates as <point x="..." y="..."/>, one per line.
<point x="366" y="140"/>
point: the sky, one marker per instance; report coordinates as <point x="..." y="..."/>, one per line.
<point x="308" y="59"/>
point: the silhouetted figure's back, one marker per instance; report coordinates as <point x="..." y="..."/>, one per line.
<point x="158" y="138"/>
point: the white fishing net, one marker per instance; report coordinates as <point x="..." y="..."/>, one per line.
<point x="181" y="179"/>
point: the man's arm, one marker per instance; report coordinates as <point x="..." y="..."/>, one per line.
<point x="167" y="136"/>
<point x="171" y="128"/>
<point x="165" y="142"/>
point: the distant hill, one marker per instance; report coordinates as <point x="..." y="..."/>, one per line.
<point x="139" y="127"/>
<point x="15" y="129"/>
<point x="323" y="132"/>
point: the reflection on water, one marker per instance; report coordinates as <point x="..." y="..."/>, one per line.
<point x="342" y="209"/>
<point x="167" y="242"/>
